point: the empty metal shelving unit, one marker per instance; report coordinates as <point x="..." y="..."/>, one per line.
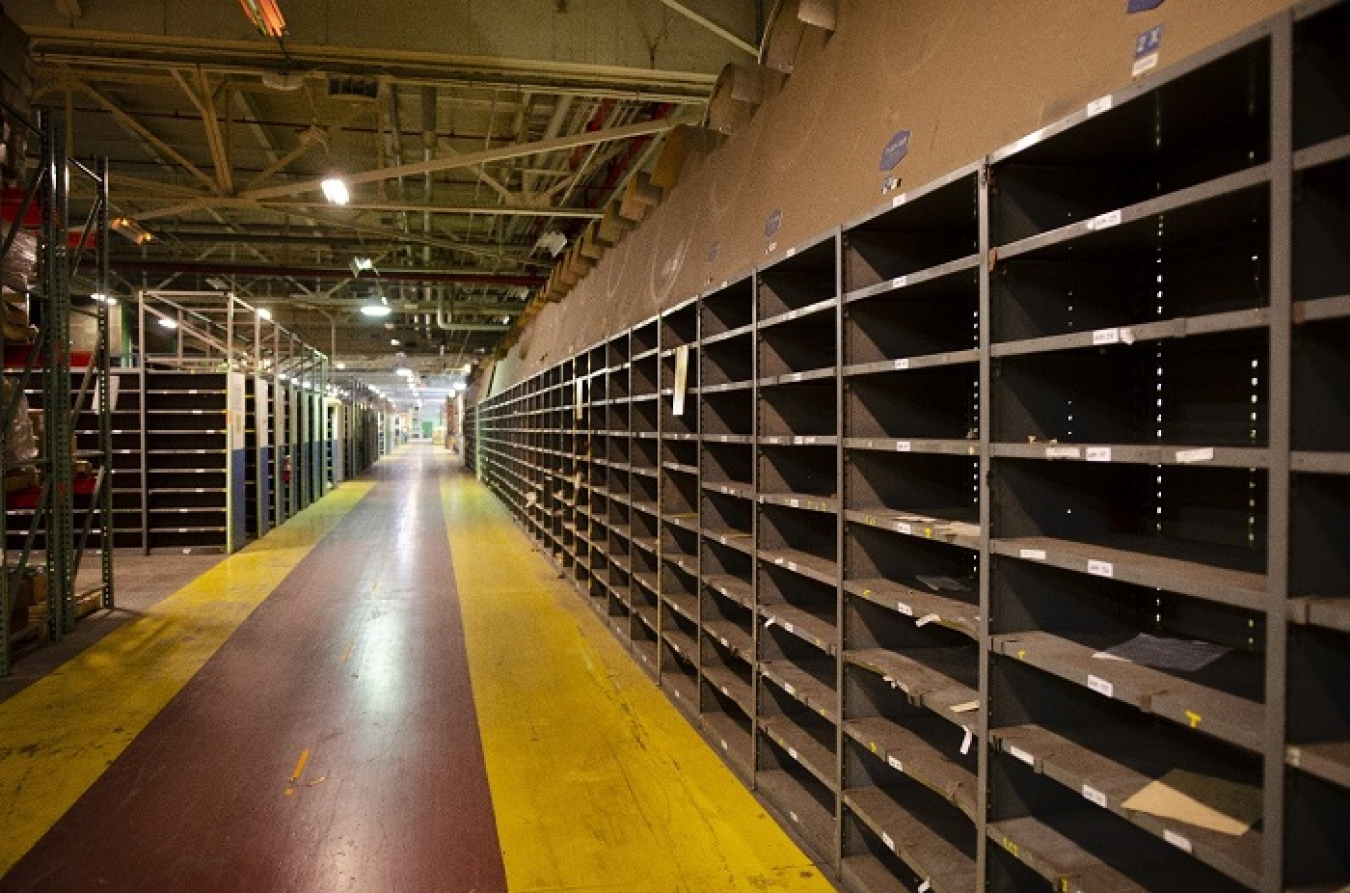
<point x="997" y="539"/>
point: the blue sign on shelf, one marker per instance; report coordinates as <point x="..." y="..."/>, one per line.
<point x="1141" y="6"/>
<point x="1149" y="42"/>
<point x="773" y="223"/>
<point x="897" y="147"/>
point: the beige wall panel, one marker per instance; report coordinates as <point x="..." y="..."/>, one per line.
<point x="965" y="77"/>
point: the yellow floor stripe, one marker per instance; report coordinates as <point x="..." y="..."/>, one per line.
<point x="598" y="783"/>
<point x="58" y="735"/>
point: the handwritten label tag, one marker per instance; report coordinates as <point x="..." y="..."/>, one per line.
<point x="1105" y="221"/>
<point x="1187" y="457"/>
<point x="899" y="282"/>
<point x="1062" y="452"/>
<point x="1099" y="454"/>
<point x="902" y="364"/>
<point x="1101" y="568"/>
<point x="1101" y="686"/>
<point x="1106" y="336"/>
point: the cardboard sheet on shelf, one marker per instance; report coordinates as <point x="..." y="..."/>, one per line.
<point x="1165" y="654"/>
<point x="1206" y="802"/>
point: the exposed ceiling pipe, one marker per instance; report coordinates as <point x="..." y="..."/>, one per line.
<point x="428" y="191"/>
<point x="190" y="268"/>
<point x="445" y="319"/>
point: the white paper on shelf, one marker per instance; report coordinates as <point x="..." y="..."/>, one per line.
<point x="1105" y="221"/>
<point x="902" y="363"/>
<point x="895" y="764"/>
<point x="967" y="741"/>
<point x="904" y="609"/>
<point x="1098" y="454"/>
<point x="899" y="281"/>
<point x="1183" y="655"/>
<point x="1186" y="457"/>
<point x="1062" y="452"/>
<point x="902" y="446"/>
<point x="904" y="528"/>
<point x="1032" y="554"/>
<point x="939" y="583"/>
<point x="927" y="619"/>
<point x="1106" y="336"/>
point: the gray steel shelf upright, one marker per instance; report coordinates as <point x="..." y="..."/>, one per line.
<point x="1000" y="543"/>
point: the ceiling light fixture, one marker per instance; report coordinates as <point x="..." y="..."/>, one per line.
<point x="335" y="190"/>
<point x="552" y="241"/>
<point x="130" y="229"/>
<point x="361" y="265"/>
<point x="99" y="298"/>
<point x="266" y="17"/>
<point x="263" y="313"/>
<point x="375" y="311"/>
<point x="168" y="323"/>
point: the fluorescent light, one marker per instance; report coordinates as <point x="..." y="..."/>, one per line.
<point x="461" y="387"/>
<point x="130" y="229"/>
<point x="394" y="342"/>
<point x="363" y="264"/>
<point x="264" y="313"/>
<point x="103" y="299"/>
<point x="168" y="323"/>
<point x="335" y="190"/>
<point x="403" y="370"/>
<point x="339" y="366"/>
<point x="375" y="311"/>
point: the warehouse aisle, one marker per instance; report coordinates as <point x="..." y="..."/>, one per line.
<point x="332" y="743"/>
<point x="329" y="745"/>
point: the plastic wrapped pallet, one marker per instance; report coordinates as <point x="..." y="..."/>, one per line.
<point x="18" y="266"/>
<point x="19" y="444"/>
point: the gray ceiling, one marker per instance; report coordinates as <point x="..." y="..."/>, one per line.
<point x="466" y="128"/>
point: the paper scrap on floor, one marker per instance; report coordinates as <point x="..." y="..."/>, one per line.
<point x="1165" y="654"/>
<point x="1216" y="804"/>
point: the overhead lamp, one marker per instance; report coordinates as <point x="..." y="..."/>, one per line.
<point x="375" y="311"/>
<point x="266" y="16"/>
<point x="361" y="265"/>
<point x="335" y="190"/>
<point x="263" y="313"/>
<point x="99" y="298"/>
<point x="552" y="241"/>
<point x="394" y="342"/>
<point x="339" y="365"/>
<point x="404" y="371"/>
<point x="168" y="323"/>
<point x="130" y="229"/>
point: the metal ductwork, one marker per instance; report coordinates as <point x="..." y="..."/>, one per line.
<point x="466" y="277"/>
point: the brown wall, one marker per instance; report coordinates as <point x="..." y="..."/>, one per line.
<point x="966" y="77"/>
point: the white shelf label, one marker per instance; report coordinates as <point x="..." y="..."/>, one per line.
<point x="1099" y="454"/>
<point x="1062" y="452"/>
<point x="1032" y="554"/>
<point x="1106" y="336"/>
<point x="723" y="742"/>
<point x="1176" y="840"/>
<point x="1146" y="64"/>
<point x="927" y="619"/>
<point x="904" y="609"/>
<point x="792" y="815"/>
<point x="792" y="566"/>
<point x="1097" y="106"/>
<point x="792" y="752"/>
<point x="795" y="503"/>
<point x="925" y="887"/>
<point x="967" y="741"/>
<point x="902" y="446"/>
<point x="902" y="364"/>
<point x="898" y="201"/>
<point x="1094" y="795"/>
<point x="895" y="764"/>
<point x="789" y="627"/>
<point x="1101" y="686"/>
<point x="1202" y="455"/>
<point x="890" y="844"/>
<point x="1101" y="568"/>
<point x="904" y="528"/>
<point x="1105" y="221"/>
<point x="1018" y="753"/>
<point x="899" y="281"/>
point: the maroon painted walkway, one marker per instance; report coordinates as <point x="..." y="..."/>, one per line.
<point x="357" y="658"/>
